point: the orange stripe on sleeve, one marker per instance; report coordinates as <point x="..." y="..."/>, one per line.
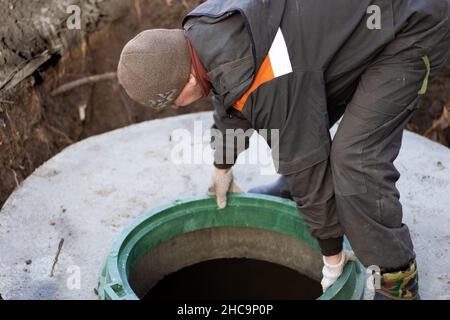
<point x="264" y="74"/>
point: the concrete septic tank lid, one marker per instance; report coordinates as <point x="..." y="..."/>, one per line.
<point x="94" y="189"/>
<point x="239" y="231"/>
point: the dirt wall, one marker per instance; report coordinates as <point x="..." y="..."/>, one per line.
<point x="34" y="126"/>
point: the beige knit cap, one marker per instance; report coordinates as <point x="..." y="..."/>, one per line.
<point x="155" y="66"/>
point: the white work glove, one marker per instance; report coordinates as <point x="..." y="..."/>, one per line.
<point x="222" y="182"/>
<point x="331" y="272"/>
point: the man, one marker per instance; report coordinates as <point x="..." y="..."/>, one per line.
<point x="298" y="66"/>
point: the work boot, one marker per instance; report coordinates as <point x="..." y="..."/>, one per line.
<point x="400" y="285"/>
<point x="279" y="188"/>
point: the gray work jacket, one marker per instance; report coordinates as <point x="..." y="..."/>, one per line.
<point x="310" y="43"/>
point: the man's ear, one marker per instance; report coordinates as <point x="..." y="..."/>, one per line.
<point x="192" y="80"/>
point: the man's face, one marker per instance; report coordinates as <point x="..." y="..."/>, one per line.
<point x="191" y="92"/>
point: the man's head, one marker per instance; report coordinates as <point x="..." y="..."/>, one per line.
<point x="155" y="69"/>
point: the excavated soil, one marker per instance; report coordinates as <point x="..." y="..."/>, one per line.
<point x="34" y="126"/>
<point x="431" y="110"/>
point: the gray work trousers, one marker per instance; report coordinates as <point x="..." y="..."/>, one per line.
<point x="354" y="191"/>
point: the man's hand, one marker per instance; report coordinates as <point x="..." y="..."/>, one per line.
<point x="222" y="183"/>
<point x="331" y="272"/>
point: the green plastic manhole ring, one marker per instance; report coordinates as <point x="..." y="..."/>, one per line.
<point x="181" y="217"/>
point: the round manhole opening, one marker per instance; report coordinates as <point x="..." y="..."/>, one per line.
<point x="235" y="279"/>
<point x="257" y="248"/>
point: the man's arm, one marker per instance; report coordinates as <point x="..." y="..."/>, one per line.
<point x="230" y="137"/>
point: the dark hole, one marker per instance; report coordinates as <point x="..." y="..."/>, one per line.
<point x="235" y="279"/>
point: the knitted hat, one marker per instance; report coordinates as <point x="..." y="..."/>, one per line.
<point x="155" y="66"/>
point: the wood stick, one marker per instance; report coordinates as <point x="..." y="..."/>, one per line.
<point x="55" y="260"/>
<point x="84" y="81"/>
<point x="15" y="177"/>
